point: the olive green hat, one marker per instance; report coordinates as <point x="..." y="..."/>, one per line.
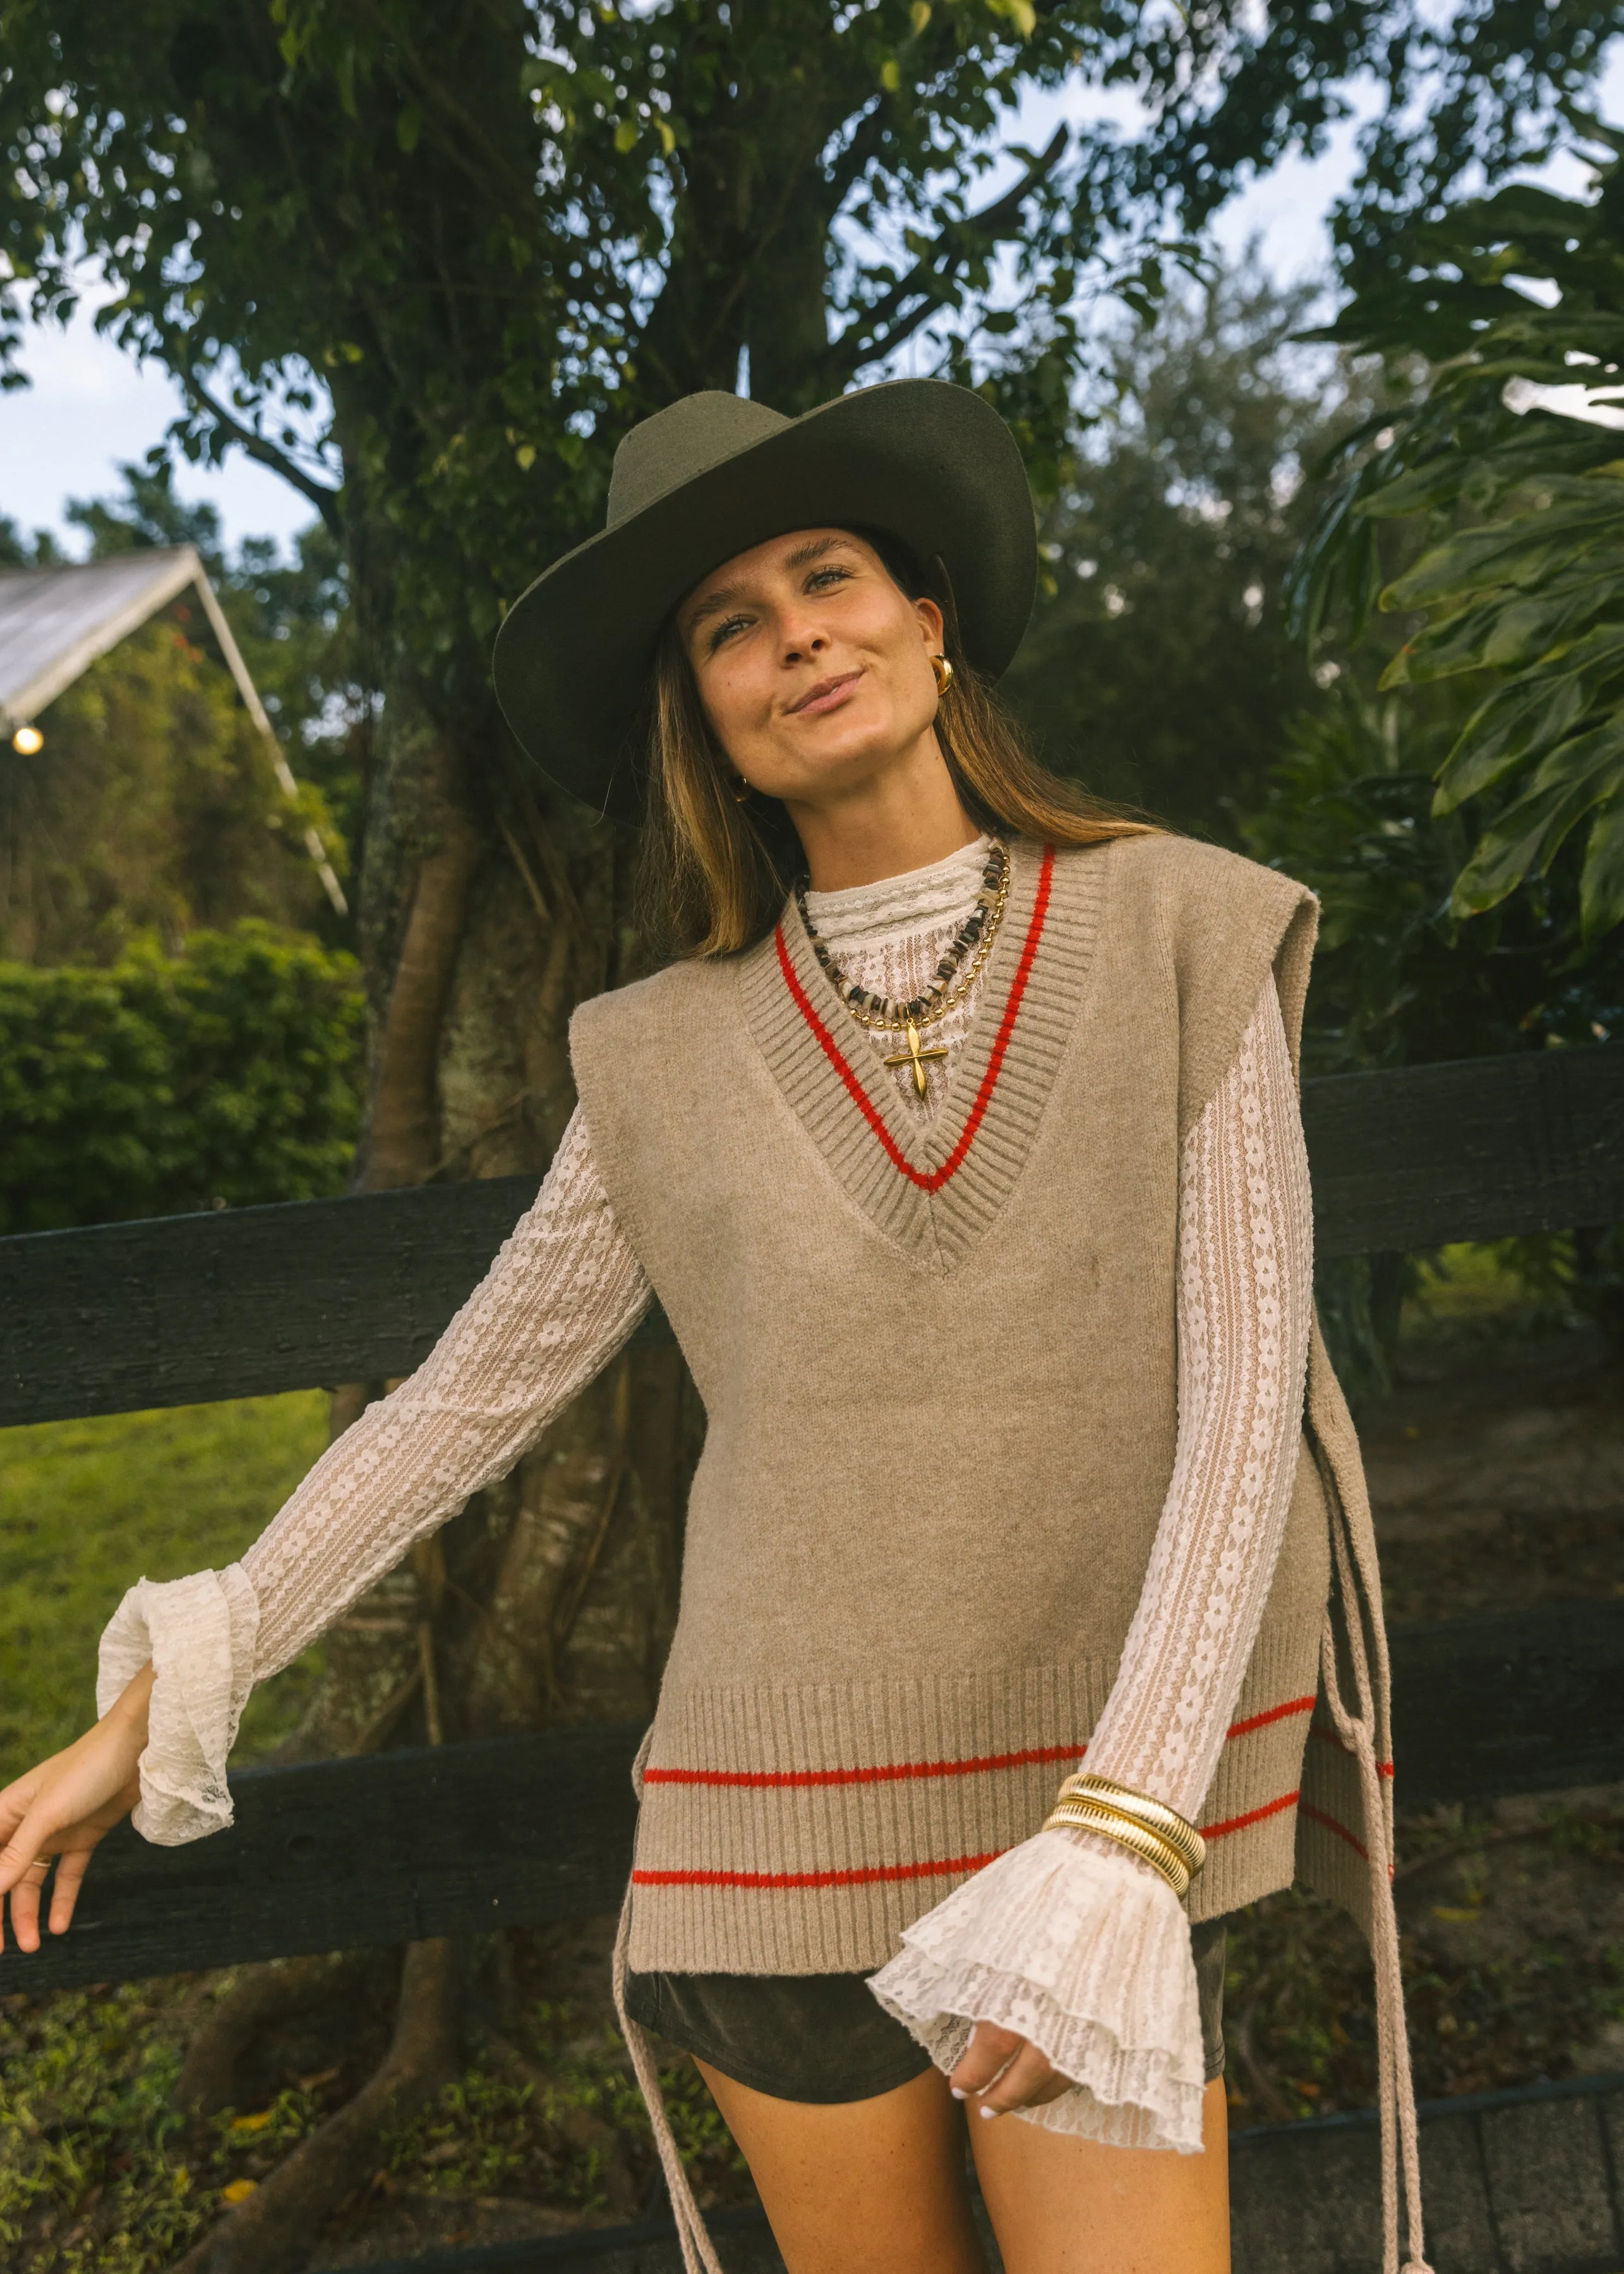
<point x="712" y="475"/>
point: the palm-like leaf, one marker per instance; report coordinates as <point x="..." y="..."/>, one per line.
<point x="1521" y="514"/>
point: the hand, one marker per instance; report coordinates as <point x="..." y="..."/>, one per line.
<point x="999" y="2070"/>
<point x="63" y="1809"/>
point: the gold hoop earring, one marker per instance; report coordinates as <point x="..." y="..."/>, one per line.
<point x="944" y="671"/>
<point x="742" y="790"/>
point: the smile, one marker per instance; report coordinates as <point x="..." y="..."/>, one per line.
<point x="828" y="695"/>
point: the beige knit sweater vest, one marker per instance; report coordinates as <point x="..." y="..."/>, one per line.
<point x="883" y="1669"/>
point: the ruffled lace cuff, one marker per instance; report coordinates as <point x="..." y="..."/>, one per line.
<point x="1084" y="1951"/>
<point x="199" y="1634"/>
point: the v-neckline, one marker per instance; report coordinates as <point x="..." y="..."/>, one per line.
<point x="934" y="1187"/>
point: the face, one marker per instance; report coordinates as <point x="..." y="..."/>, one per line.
<point x="813" y="666"/>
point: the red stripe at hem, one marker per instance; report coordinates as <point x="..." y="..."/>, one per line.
<point x="897" y="1772"/>
<point x="1333" y="1737"/>
<point x="871" y="1876"/>
<point x="1319" y="1816"/>
<point x="880" y="1874"/>
<point x="905" y="1772"/>
<point x="937" y="1177"/>
<point x="1253" y="1816"/>
<point x="1274" y="1713"/>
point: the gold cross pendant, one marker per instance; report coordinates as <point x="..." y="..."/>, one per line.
<point x="915" y="1057"/>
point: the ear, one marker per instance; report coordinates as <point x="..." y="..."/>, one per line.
<point x="931" y="624"/>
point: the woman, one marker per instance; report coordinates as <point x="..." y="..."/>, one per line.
<point x="971" y="1178"/>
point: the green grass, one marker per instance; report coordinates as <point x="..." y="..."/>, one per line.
<point x="86" y="1507"/>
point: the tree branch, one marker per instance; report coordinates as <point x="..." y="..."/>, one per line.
<point x="323" y="500"/>
<point x="864" y="144"/>
<point x="929" y="281"/>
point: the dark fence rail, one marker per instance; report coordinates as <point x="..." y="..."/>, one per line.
<point x="184" y="1309"/>
<point x="519" y="1831"/>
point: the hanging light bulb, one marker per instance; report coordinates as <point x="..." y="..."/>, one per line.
<point x="26" y="741"/>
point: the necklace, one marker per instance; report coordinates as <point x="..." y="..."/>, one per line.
<point x="952" y="981"/>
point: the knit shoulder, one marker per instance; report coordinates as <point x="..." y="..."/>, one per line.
<point x="1226" y="923"/>
<point x="1189" y="877"/>
<point x="671" y="996"/>
<point x="628" y="1047"/>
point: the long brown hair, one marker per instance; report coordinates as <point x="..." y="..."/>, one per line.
<point x="714" y="872"/>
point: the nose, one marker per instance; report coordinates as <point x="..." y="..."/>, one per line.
<point x="800" y="636"/>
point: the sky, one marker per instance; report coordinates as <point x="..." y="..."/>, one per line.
<point x="90" y="407"/>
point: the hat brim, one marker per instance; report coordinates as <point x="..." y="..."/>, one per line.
<point x="928" y="461"/>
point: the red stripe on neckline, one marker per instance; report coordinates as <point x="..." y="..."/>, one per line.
<point x="937" y="1177"/>
<point x="871" y="1876"/>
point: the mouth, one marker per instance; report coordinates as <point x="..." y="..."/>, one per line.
<point x="828" y="695"/>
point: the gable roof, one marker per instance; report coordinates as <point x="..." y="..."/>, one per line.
<point x="55" y="622"/>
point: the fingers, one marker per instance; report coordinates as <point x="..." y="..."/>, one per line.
<point x="1029" y="2081"/>
<point x="989" y="2051"/>
<point x="26" y="1885"/>
<point x="71" y="1870"/>
<point x="1000" y="2071"/>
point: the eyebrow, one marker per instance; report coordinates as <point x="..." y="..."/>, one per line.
<point x="726" y="595"/>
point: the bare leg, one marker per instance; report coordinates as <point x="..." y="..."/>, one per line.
<point x="864" y="2187"/>
<point x="1061" y="2205"/>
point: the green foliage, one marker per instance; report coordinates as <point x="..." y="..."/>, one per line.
<point x="224" y="1076"/>
<point x="1398" y="977"/>
<point x="100" y="2175"/>
<point x="1156" y="667"/>
<point x="1514" y="498"/>
<point x="486" y="241"/>
<point x="157" y="1494"/>
<point x="86" y="2120"/>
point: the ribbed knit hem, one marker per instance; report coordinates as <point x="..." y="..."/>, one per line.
<point x="800" y="1831"/>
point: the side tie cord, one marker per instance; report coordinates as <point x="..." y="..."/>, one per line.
<point x="1400" y="2153"/>
<point x="698" y="2251"/>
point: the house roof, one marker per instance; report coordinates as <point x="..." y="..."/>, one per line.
<point x="55" y="623"/>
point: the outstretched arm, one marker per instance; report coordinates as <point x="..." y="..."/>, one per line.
<point x="179" y="1659"/>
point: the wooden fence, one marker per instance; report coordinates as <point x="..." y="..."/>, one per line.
<point x="520" y="1830"/>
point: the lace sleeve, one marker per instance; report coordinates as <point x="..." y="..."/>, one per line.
<point x="1068" y="1940"/>
<point x="563" y="1294"/>
<point x="1246" y="1294"/>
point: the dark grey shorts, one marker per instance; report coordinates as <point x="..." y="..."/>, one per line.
<point x="822" y="2037"/>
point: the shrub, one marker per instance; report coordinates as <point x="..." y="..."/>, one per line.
<point x="228" y="1074"/>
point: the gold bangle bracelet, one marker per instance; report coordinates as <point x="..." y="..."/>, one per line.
<point x="1088" y="1816"/>
<point x="1155" y="1815"/>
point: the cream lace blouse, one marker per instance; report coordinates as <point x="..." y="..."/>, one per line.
<point x="1067" y="1938"/>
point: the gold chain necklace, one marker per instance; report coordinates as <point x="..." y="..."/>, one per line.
<point x="952" y="983"/>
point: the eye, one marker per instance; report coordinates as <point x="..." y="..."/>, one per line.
<point x="725" y="630"/>
<point x="821" y="579"/>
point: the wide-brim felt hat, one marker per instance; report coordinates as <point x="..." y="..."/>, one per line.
<point x="714" y="474"/>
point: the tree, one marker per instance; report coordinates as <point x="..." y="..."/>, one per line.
<point x="1503" y="473"/>
<point x="430" y="265"/>
<point x="1158" y="669"/>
